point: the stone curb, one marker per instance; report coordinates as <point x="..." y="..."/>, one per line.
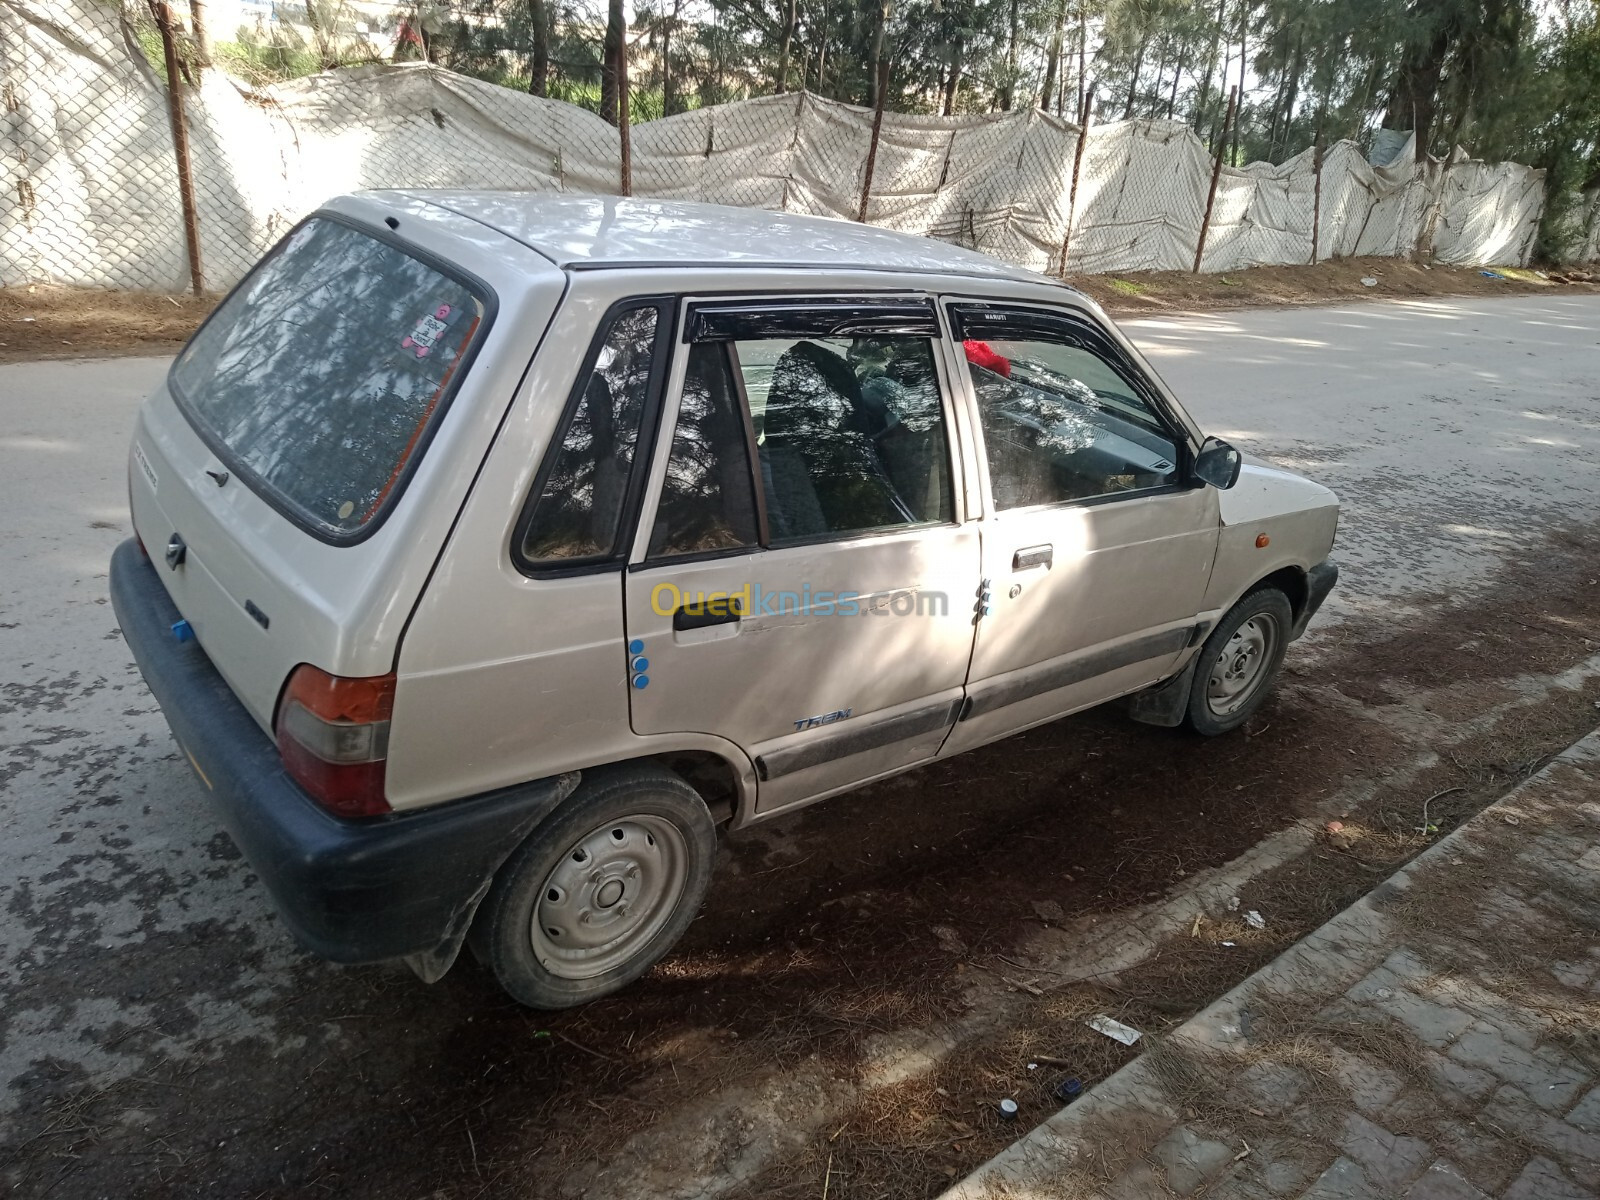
<point x="1333" y="956"/>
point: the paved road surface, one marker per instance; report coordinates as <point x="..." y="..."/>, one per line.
<point x="133" y="934"/>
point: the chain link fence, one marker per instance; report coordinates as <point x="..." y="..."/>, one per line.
<point x="91" y="193"/>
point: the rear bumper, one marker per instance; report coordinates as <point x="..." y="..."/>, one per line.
<point x="352" y="891"/>
<point x="1319" y="582"/>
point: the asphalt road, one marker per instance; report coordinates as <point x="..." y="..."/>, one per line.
<point x="133" y="935"/>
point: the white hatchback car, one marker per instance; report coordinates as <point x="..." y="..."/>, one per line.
<point x="493" y="549"/>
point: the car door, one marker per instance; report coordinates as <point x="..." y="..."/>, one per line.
<point x="803" y="583"/>
<point x="1097" y="545"/>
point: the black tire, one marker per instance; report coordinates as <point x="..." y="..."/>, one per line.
<point x="630" y="816"/>
<point x="1211" y="710"/>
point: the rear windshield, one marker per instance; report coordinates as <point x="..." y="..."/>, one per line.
<point x="319" y="377"/>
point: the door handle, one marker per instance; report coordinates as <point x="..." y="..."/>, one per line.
<point x="1033" y="556"/>
<point x="716" y="610"/>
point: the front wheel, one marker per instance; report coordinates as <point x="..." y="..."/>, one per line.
<point x="600" y="891"/>
<point x="1239" y="662"/>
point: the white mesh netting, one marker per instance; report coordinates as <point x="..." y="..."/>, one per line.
<point x="91" y="196"/>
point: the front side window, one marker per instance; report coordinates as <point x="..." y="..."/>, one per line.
<point x="848" y="433"/>
<point x="1062" y="422"/>
<point x="320" y="378"/>
<point x="578" y="513"/>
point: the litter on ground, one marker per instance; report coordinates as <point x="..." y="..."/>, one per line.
<point x="1115" y="1030"/>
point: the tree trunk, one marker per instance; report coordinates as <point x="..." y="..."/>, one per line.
<point x="1294" y="90"/>
<point x="539" y="71"/>
<point x="1277" y="103"/>
<point x="1177" y="75"/>
<point x="877" y="54"/>
<point x="953" y="83"/>
<point x="668" y="96"/>
<point x="611" y="61"/>
<point x="202" y="31"/>
<point x="1414" y="99"/>
<point x="1133" y="82"/>
<point x="1211" y="67"/>
<point x="1244" y="54"/>
<point x="1008" y="92"/>
<point x="790" y="20"/>
<point x="1083" y="56"/>
<point x="1161" y="74"/>
<point x="1053" y="64"/>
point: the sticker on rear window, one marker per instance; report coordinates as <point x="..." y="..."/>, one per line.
<point x="422" y="338"/>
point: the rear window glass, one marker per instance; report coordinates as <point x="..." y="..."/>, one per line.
<point x="320" y="376"/>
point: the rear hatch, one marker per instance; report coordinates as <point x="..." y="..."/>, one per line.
<point x="298" y="474"/>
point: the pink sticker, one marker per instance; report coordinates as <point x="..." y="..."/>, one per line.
<point x="427" y="332"/>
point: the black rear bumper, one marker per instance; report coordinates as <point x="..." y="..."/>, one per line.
<point x="353" y="891"/>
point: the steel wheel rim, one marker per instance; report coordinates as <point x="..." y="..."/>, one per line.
<point x="1241" y="667"/>
<point x="608" y="896"/>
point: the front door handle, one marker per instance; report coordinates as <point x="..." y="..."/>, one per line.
<point x="716" y="610"/>
<point x="1033" y="556"/>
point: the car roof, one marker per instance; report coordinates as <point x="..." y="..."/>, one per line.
<point x="578" y="232"/>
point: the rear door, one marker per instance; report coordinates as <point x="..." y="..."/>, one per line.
<point x="804" y="582"/>
<point x="1097" y="547"/>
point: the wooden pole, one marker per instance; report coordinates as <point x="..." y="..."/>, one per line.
<point x="1077" y="166"/>
<point x="1216" y="173"/>
<point x="1316" y="203"/>
<point x="624" y="107"/>
<point x="872" y="147"/>
<point x="180" y="143"/>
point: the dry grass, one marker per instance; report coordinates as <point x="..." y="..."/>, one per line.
<point x="39" y="322"/>
<point x="1270" y="287"/>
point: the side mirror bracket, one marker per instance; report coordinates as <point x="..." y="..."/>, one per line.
<point x="1218" y="464"/>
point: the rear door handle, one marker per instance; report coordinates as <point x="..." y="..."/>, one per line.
<point x="722" y="610"/>
<point x="1033" y="556"/>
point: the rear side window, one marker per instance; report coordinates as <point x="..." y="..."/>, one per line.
<point x="578" y="513"/>
<point x="319" y="379"/>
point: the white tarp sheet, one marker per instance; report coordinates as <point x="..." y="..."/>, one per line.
<point x="90" y="193"/>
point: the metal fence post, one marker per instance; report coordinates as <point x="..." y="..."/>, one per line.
<point x="180" y="142"/>
<point x="872" y="147"/>
<point x="1216" y="173"/>
<point x="1316" y="202"/>
<point x="1072" y="194"/>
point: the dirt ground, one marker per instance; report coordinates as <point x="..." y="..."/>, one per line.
<point x="39" y="322"/>
<point x="927" y="905"/>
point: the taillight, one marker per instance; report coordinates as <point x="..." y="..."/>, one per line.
<point x="333" y="734"/>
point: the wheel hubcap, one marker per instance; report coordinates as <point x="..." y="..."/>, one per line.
<point x="609" y="895"/>
<point x="1241" y="668"/>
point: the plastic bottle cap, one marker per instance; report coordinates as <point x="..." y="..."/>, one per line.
<point x="1008" y="1109"/>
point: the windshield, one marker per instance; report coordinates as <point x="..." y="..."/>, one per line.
<point x="319" y="378"/>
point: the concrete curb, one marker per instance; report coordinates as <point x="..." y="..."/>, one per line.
<point x="1333" y="956"/>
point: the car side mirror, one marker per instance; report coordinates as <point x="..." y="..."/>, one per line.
<point x="1218" y="464"/>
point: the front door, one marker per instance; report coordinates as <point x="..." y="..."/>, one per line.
<point x="1096" y="546"/>
<point x="803" y="583"/>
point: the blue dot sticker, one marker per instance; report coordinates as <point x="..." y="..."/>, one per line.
<point x="636" y="647"/>
<point x="641" y="664"/>
<point x="641" y="682"/>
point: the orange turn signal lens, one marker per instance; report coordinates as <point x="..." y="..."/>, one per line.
<point x="1262" y="541"/>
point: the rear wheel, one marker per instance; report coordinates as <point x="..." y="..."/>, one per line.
<point x="600" y="891"/>
<point x="1239" y="662"/>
